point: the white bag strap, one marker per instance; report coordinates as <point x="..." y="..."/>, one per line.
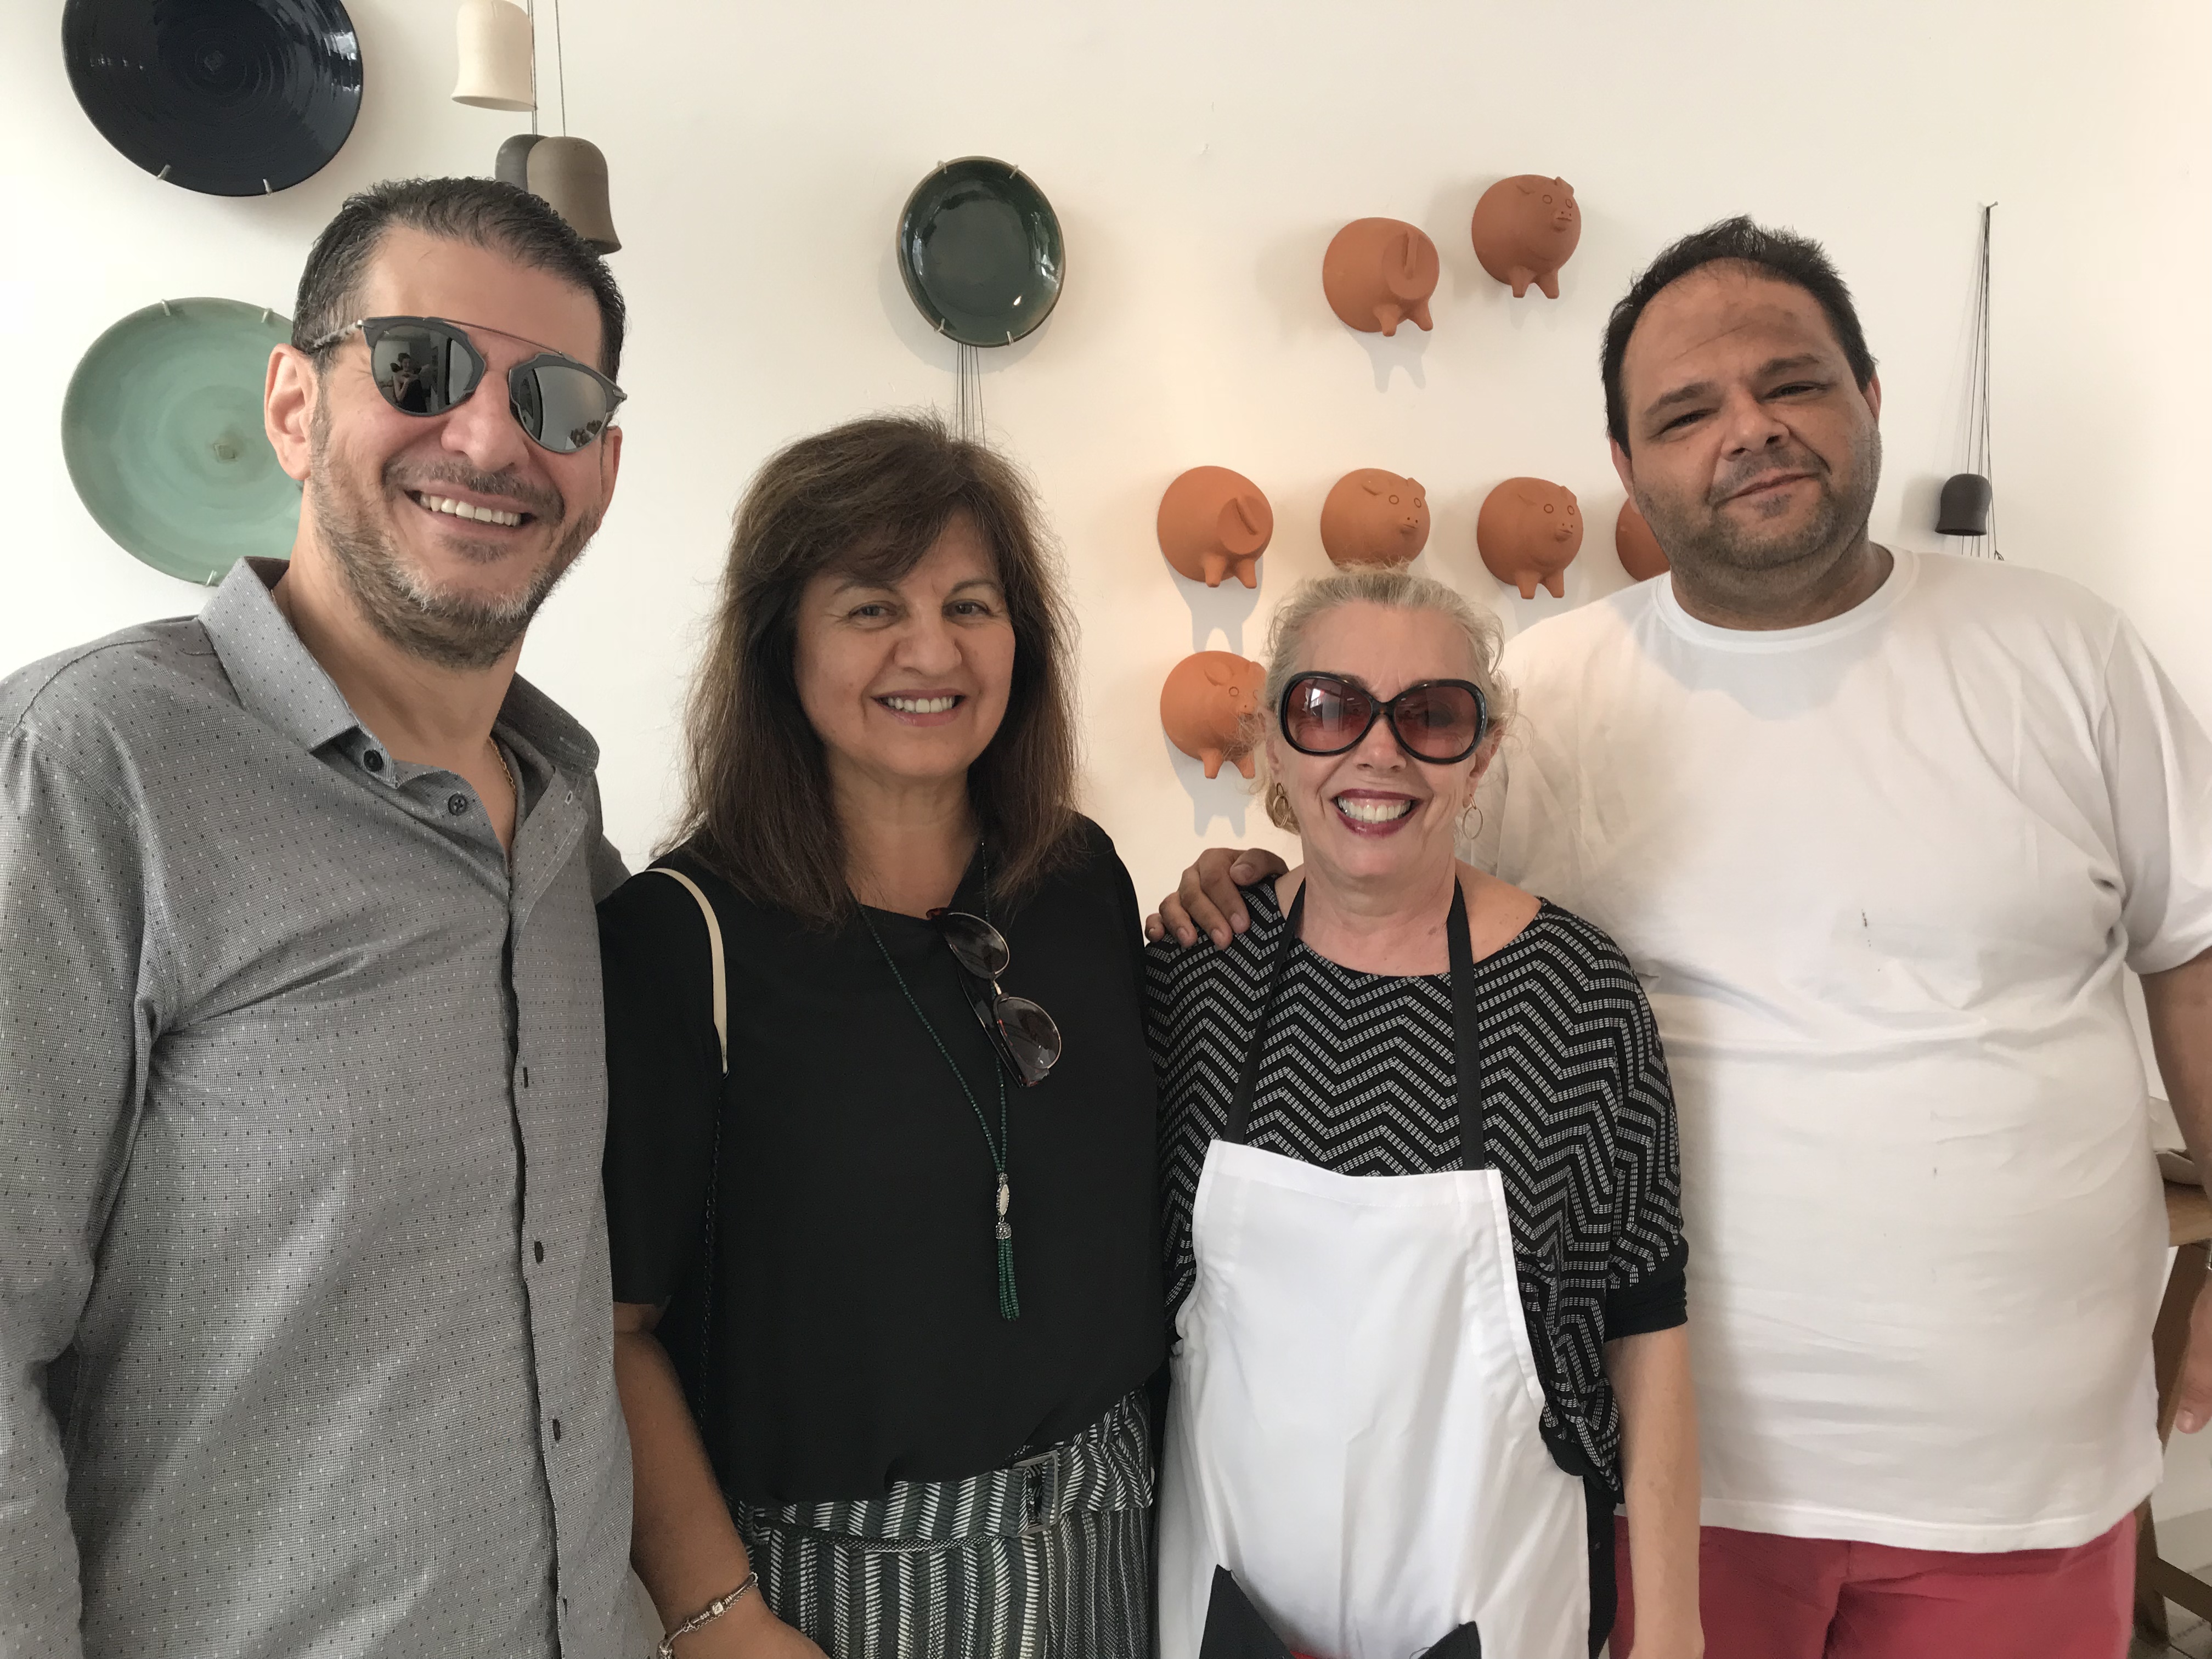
<point x="713" y="955"/>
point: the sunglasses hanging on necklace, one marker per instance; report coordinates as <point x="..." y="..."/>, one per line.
<point x="1006" y="1056"/>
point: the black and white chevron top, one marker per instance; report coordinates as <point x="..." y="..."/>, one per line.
<point x="1358" y="1077"/>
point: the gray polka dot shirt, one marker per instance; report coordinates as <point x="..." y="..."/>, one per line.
<point x="305" y="1335"/>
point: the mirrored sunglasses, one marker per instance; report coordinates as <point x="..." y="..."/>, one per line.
<point x="427" y="366"/>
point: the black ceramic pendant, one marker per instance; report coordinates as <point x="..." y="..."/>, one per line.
<point x="1963" y="508"/>
<point x="226" y="97"/>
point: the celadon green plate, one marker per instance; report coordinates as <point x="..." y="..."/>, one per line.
<point x="162" y="429"/>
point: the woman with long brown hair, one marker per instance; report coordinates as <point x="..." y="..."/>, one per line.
<point x="885" y="1270"/>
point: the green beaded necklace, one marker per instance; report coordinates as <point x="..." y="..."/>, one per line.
<point x="1010" y="1306"/>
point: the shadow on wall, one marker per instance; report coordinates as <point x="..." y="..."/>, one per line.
<point x="1226" y="796"/>
<point x="1224" y="610"/>
<point x="1916" y="515"/>
<point x="1403" y="349"/>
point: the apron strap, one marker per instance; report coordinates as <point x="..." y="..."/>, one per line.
<point x="1240" y="1103"/>
<point x="1473" y="1153"/>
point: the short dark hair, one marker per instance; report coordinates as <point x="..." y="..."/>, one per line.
<point x="869" y="498"/>
<point x="1781" y="254"/>
<point x="482" y="212"/>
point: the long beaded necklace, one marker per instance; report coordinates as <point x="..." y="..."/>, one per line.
<point x="1010" y="1306"/>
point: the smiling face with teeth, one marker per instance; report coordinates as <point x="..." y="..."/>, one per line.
<point x="1375" y="817"/>
<point x="446" y="533"/>
<point x="906" y="680"/>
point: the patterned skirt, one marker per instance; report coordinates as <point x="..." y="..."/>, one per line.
<point x="1049" y="1558"/>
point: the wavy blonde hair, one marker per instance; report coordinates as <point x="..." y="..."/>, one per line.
<point x="1396" y="590"/>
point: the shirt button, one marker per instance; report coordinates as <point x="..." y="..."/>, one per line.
<point x="373" y="761"/>
<point x="538" y="1248"/>
<point x="557" y="1428"/>
<point x="457" y="804"/>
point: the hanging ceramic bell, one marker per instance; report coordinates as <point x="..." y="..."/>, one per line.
<point x="496" y="55"/>
<point x="512" y="166"/>
<point x="571" y="176"/>
<point x="1964" y="509"/>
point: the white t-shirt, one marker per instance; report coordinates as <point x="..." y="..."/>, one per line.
<point x="1881" y="877"/>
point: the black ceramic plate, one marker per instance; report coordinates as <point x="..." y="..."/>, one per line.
<point x="227" y="97"/>
<point x="980" y="250"/>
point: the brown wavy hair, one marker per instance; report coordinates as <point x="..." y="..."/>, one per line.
<point x="868" y="499"/>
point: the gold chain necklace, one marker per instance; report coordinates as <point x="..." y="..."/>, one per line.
<point x="514" y="783"/>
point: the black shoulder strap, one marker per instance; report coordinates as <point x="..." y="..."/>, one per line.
<point x="1473" y="1153"/>
<point x="1240" y="1103"/>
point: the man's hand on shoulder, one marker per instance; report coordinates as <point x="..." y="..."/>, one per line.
<point x="1207" y="901"/>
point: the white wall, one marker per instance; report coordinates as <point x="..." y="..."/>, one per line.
<point x="1201" y="154"/>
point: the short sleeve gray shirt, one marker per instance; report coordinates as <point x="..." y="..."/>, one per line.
<point x="305" y="1335"/>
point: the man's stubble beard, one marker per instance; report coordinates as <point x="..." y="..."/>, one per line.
<point x="1711" y="540"/>
<point x="453" y="631"/>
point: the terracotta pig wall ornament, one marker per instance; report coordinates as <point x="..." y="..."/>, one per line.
<point x="1528" y="531"/>
<point x="1205" y="705"/>
<point x="1215" y="523"/>
<point x="1378" y="273"/>
<point x="1641" y="555"/>
<point x="1374" y="517"/>
<point x="1525" y="229"/>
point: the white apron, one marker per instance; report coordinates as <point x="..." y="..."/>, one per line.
<point x="1354" y="1427"/>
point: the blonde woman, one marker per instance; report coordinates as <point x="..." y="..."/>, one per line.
<point x="1424" y="1250"/>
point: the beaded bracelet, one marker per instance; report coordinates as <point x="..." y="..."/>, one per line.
<point x="706" y="1615"/>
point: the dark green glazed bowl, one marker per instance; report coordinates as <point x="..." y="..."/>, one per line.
<point x="982" y="252"/>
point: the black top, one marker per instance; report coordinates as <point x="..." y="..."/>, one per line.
<point x="843" y="1330"/>
<point x="1360" y="1076"/>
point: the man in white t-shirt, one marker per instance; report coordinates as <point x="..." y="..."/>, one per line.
<point x="1883" y="834"/>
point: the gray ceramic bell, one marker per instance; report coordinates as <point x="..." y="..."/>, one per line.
<point x="1965" y="508"/>
<point x="571" y="176"/>
<point x="512" y="165"/>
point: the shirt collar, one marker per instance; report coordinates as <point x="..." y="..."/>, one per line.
<point x="274" y="674"/>
<point x="278" y="678"/>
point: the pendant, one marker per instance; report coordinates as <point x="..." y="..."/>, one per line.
<point x="1004" y="1228"/>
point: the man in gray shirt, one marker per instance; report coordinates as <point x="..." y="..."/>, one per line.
<point x="304" y="1306"/>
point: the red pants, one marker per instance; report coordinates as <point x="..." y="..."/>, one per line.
<point x="1764" y="1596"/>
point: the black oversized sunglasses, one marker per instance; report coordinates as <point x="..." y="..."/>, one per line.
<point x="1440" y="721"/>
<point x="1026" y="1036"/>
<point x="427" y="366"/>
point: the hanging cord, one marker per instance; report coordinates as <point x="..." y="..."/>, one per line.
<point x="967" y="394"/>
<point x="561" y="68"/>
<point x="530" y="7"/>
<point x="1010" y="1301"/>
<point x="1978" y="457"/>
